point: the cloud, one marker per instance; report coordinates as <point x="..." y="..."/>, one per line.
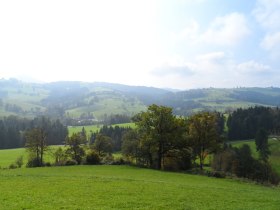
<point x="271" y="41"/>
<point x="213" y="56"/>
<point x="189" y="33"/>
<point x="252" y="67"/>
<point x="227" y="30"/>
<point x="267" y="13"/>
<point x="167" y="70"/>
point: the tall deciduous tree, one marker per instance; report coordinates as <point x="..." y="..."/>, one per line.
<point x="158" y="128"/>
<point x="203" y="134"/>
<point x="103" y="144"/>
<point x="36" y="145"/>
<point x="75" y="149"/>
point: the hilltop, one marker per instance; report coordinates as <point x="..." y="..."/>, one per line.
<point x="97" y="101"/>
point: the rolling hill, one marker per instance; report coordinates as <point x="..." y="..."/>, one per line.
<point x="96" y="101"/>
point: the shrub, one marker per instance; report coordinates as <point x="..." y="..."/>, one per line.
<point x="33" y="162"/>
<point x="19" y="161"/>
<point x="217" y="174"/>
<point x="240" y="162"/>
<point x="60" y="157"/>
<point x="92" y="158"/>
<point x="71" y="162"/>
<point x="108" y="159"/>
<point x="12" y="166"/>
<point x="176" y="160"/>
<point x="120" y="161"/>
<point x="48" y="164"/>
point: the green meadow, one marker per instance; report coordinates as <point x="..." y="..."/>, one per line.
<point x="94" y="128"/>
<point x="9" y="156"/>
<point x="125" y="187"/>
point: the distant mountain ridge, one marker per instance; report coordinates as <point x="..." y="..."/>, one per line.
<point x="99" y="99"/>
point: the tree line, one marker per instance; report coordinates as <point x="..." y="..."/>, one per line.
<point x="165" y="141"/>
<point x="114" y="132"/>
<point x="161" y="140"/>
<point x="244" y="123"/>
<point x="13" y="128"/>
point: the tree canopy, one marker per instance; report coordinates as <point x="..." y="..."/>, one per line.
<point x="203" y="135"/>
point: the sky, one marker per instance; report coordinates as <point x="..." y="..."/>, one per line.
<point x="180" y="44"/>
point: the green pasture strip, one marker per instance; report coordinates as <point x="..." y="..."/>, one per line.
<point x="95" y="128"/>
<point x="124" y="187"/>
<point x="9" y="156"/>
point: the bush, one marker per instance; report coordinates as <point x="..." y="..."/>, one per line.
<point x="120" y="161"/>
<point x="108" y="159"/>
<point x="177" y="160"/>
<point x="217" y="174"/>
<point x="92" y="158"/>
<point x="71" y="162"/>
<point x="60" y="157"/>
<point x="240" y="162"/>
<point x="33" y="162"/>
<point x="19" y="161"/>
<point x="48" y="164"/>
<point x="12" y="166"/>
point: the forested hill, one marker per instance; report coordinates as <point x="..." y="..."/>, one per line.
<point x="98" y="101"/>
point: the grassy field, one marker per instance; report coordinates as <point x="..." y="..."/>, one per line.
<point x="95" y="128"/>
<point x="274" y="146"/>
<point x="124" y="187"/>
<point x="9" y="156"/>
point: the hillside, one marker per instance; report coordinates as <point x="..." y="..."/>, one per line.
<point x="97" y="101"/>
<point x="124" y="187"/>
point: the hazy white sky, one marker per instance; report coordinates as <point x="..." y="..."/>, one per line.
<point x="163" y="43"/>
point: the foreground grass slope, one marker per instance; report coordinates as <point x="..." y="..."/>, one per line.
<point x="124" y="187"/>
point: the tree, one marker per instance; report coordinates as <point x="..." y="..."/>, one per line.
<point x="203" y="134"/>
<point x="75" y="149"/>
<point x="84" y="133"/>
<point x="262" y="146"/>
<point x="159" y="130"/>
<point x="3" y="134"/>
<point x="102" y="144"/>
<point x="130" y="145"/>
<point x="36" y="145"/>
<point x="59" y="156"/>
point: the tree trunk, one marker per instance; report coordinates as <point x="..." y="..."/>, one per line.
<point x="159" y="160"/>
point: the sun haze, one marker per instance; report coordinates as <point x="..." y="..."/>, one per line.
<point x="176" y="44"/>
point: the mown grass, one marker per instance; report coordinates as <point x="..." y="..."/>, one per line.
<point x="124" y="187"/>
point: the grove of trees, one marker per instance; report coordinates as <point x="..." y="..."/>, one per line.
<point x="244" y="123"/>
<point x="163" y="138"/>
<point x="12" y="131"/>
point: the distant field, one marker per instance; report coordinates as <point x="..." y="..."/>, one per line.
<point x="124" y="187"/>
<point x="95" y="128"/>
<point x="9" y="156"/>
<point x="274" y="146"/>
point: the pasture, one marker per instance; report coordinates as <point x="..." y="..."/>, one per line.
<point x="9" y="156"/>
<point x="125" y="187"/>
<point x="94" y="128"/>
